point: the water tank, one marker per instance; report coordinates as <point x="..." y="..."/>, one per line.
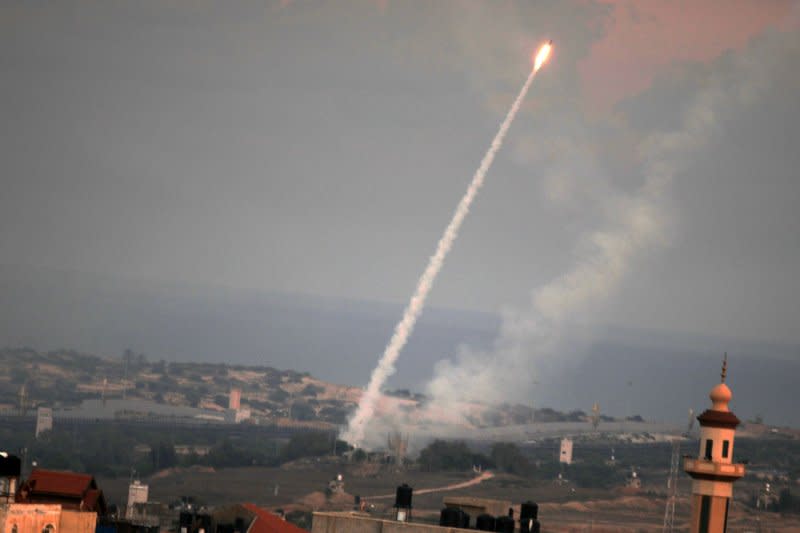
<point x="528" y="514"/>
<point x="484" y="522"/>
<point x="204" y="523"/>
<point x="450" y="517"/>
<point x="463" y="522"/>
<point x="504" y="524"/>
<point x="528" y="510"/>
<point x="403" y="498"/>
<point x="185" y="519"/>
<point x="10" y="466"/>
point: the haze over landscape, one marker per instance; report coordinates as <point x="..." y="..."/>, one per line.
<point x="263" y="184"/>
<point x="273" y="265"/>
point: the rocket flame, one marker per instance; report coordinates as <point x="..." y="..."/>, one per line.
<point x="541" y="56"/>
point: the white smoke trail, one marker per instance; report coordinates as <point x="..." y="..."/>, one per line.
<point x="356" y="428"/>
<point x="640" y="222"/>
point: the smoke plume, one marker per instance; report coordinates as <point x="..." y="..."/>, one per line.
<point x="533" y="343"/>
<point x="365" y="411"/>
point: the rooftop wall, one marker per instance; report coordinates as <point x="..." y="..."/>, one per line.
<point x="359" y="523"/>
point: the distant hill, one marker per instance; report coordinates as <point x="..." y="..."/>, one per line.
<point x="66" y="378"/>
<point x="336" y="340"/>
<point x="339" y="341"/>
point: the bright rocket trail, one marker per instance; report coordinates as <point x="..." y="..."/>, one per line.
<point x="356" y="428"/>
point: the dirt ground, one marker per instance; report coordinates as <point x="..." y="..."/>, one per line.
<point x="302" y="486"/>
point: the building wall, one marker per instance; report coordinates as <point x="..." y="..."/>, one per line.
<point x="234" y="399"/>
<point x="718" y="436"/>
<point x="137" y="493"/>
<point x="34" y="517"/>
<point x="352" y="523"/>
<point x="77" y="522"/>
<point x="30" y="517"/>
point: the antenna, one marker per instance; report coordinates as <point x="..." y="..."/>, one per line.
<point x="724" y="368"/>
<point x="23" y="396"/>
<point x="672" y="487"/>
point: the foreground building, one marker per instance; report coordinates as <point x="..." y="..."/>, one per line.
<point x="713" y="471"/>
<point x="48" y="501"/>
<point x="242" y="518"/>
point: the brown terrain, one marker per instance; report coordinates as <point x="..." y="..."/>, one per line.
<point x="301" y="486"/>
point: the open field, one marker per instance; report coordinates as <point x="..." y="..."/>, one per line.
<point x="564" y="508"/>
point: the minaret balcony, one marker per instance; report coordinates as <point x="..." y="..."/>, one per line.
<point x="712" y="470"/>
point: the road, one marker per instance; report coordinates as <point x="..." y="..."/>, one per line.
<point x="455" y="486"/>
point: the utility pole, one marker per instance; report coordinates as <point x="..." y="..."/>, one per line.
<point x="672" y="487"/>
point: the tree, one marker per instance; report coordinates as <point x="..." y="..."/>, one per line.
<point x="278" y="396"/>
<point x="446" y="455"/>
<point x="311" y="390"/>
<point x="163" y="455"/>
<point x="788" y="503"/>
<point x="310" y="444"/>
<point x="303" y="411"/>
<point x="229" y="454"/>
<point x="507" y="457"/>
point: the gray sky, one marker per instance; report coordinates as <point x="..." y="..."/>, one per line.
<point x="322" y="147"/>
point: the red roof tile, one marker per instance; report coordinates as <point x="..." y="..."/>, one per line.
<point x="267" y="522"/>
<point x="61" y="483"/>
<point x="67" y="488"/>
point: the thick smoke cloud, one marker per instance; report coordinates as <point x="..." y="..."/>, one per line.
<point x="532" y="342"/>
<point x="535" y="344"/>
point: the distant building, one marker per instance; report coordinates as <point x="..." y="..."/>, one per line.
<point x="238" y="416"/>
<point x="44" y="420"/>
<point x="565" y="456"/>
<point x="633" y="482"/>
<point x="713" y="472"/>
<point x="200" y="450"/>
<point x="336" y="486"/>
<point x="151" y="515"/>
<point x="48" y="502"/>
<point x="137" y="493"/>
<point x="146" y="410"/>
<point x="234" y="399"/>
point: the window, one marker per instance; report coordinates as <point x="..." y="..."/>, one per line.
<point x="49" y="528"/>
<point x="709" y="447"/>
<point x="725" y="447"/>
<point x="14" y="529"/>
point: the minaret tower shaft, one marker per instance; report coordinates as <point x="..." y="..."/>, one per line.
<point x="713" y="471"/>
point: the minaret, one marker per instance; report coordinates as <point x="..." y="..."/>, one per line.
<point x="714" y="471"/>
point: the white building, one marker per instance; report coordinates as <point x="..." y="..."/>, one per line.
<point x="44" y="420"/>
<point x="137" y="493"/>
<point x="566" y="451"/>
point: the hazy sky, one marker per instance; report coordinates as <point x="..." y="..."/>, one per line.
<point x="322" y="146"/>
